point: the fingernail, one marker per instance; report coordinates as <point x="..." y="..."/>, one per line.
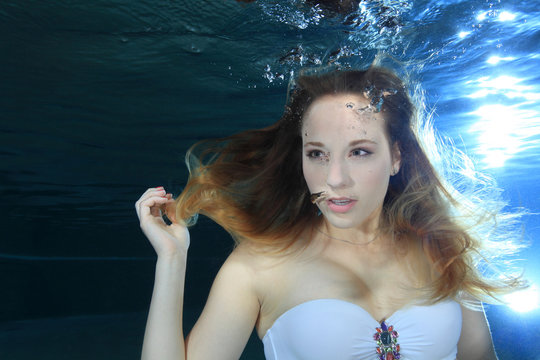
<point x="159" y="187"/>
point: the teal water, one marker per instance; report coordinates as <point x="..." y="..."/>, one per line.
<point x="99" y="100"/>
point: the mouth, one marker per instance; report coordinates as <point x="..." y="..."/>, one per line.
<point x="340" y="201"/>
<point x="340" y="205"/>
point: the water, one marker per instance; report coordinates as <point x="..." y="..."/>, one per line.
<point x="100" y="100"/>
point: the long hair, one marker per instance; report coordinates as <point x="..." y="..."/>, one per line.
<point x="252" y="185"/>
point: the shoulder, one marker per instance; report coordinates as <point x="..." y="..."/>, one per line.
<point x="475" y="341"/>
<point x="261" y="267"/>
<point x="240" y="260"/>
<point x="252" y="260"/>
<point x="231" y="310"/>
<point x="237" y="274"/>
<point x="244" y="264"/>
<point x="257" y="258"/>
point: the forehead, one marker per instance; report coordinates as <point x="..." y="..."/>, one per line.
<point x="349" y="111"/>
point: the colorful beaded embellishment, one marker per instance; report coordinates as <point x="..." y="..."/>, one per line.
<point x="386" y="338"/>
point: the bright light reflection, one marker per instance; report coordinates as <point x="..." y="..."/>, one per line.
<point x="463" y="34"/>
<point x="481" y="16"/>
<point x="494" y="60"/>
<point x="507" y="85"/>
<point x="506" y="16"/>
<point x="503" y="131"/>
<point x="525" y="300"/>
<point x="506" y="82"/>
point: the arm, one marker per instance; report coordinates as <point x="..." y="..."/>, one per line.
<point x="230" y="313"/>
<point x="475" y="341"/>
<point x="163" y="338"/>
<point x="225" y="325"/>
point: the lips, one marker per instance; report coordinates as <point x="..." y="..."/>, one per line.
<point x="340" y="205"/>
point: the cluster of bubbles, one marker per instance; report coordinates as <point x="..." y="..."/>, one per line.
<point x="368" y="25"/>
<point x="293" y="13"/>
<point x="378" y="24"/>
<point x="375" y="97"/>
<point x="271" y="76"/>
<point x="298" y="57"/>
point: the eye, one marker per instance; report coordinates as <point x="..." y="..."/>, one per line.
<point x="359" y="152"/>
<point x="316" y="154"/>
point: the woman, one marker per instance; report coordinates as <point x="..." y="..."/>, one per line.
<point x="346" y="246"/>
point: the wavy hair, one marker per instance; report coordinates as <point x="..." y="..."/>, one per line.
<point x="252" y="185"/>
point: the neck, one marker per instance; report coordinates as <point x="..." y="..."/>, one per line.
<point x="353" y="236"/>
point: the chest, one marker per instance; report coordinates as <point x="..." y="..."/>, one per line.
<point x="333" y="329"/>
<point x="378" y="286"/>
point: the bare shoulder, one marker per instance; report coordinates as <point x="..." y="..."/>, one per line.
<point x="239" y="262"/>
<point x="268" y="271"/>
<point x="255" y="260"/>
<point x="246" y="267"/>
<point x="475" y="341"/>
<point x="231" y="310"/>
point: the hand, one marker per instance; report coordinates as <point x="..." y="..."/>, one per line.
<point x="167" y="240"/>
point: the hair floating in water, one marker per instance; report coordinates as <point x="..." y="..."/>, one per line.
<point x="316" y="197"/>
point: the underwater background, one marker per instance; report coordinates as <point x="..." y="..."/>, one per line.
<point x="99" y="100"/>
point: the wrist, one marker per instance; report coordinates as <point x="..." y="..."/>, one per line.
<point x="178" y="258"/>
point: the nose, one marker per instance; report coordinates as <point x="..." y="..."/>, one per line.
<point x="338" y="174"/>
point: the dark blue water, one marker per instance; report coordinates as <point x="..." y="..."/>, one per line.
<point x="99" y="100"/>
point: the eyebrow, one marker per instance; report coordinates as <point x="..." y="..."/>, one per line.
<point x="351" y="144"/>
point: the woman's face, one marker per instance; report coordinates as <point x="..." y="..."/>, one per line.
<point x="347" y="154"/>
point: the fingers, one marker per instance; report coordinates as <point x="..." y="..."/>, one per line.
<point x="151" y="201"/>
<point x="149" y="192"/>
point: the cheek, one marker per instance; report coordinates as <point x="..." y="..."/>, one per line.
<point x="314" y="176"/>
<point x="375" y="176"/>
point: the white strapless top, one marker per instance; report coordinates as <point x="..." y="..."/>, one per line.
<point x="331" y="329"/>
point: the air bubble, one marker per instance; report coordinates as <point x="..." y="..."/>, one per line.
<point x="367" y="108"/>
<point x="389" y="92"/>
<point x="378" y="103"/>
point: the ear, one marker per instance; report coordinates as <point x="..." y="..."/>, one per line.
<point x="396" y="159"/>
